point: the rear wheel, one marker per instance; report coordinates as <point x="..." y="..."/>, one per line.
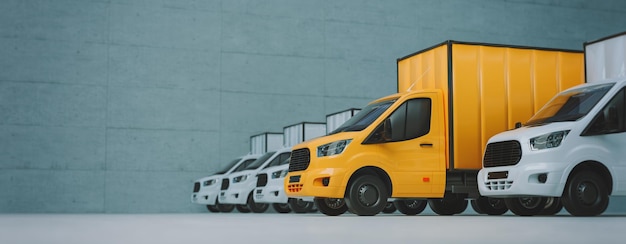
<point x="281" y="207"/>
<point x="448" y="205"/>
<point x="410" y="206"/>
<point x="490" y="206"/>
<point x="300" y="206"/>
<point x="256" y="207"/>
<point x="212" y="208"/>
<point x="367" y="196"/>
<point x="553" y="206"/>
<point x="389" y="208"/>
<point x="331" y="206"/>
<point x="585" y="194"/>
<point x="526" y="206"/>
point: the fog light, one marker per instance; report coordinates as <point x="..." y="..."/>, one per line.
<point x="325" y="181"/>
<point x="542" y="178"/>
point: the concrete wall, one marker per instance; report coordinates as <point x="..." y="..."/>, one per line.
<point x="118" y="105"/>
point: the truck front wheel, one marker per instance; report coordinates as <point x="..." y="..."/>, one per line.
<point x="331" y="206"/>
<point x="410" y="206"/>
<point x="490" y="206"/>
<point x="367" y="196"/>
<point x="585" y="194"/>
<point x="448" y="205"/>
<point x="526" y="206"/>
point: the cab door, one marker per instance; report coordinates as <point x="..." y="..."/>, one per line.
<point x="412" y="138"/>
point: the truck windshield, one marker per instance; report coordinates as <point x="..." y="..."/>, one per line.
<point x="257" y="163"/>
<point x="571" y="105"/>
<point x="228" y="166"/>
<point x="365" y="117"/>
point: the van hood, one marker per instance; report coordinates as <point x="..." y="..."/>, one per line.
<point x="524" y="134"/>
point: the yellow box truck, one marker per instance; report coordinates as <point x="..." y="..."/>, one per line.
<point x="424" y="145"/>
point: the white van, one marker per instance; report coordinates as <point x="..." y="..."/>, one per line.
<point x="573" y="149"/>
<point x="270" y="187"/>
<point x="206" y="189"/>
<point x="239" y="185"/>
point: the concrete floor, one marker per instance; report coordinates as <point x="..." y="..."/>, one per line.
<point x="307" y="228"/>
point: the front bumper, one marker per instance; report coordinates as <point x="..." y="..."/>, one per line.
<point x="236" y="194"/>
<point x="321" y="182"/>
<point x="206" y="196"/>
<point x="523" y="179"/>
<point x="273" y="192"/>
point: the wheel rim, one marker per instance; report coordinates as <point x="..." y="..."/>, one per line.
<point x="496" y="203"/>
<point x="412" y="204"/>
<point x="368" y="195"/>
<point x="334" y="203"/>
<point x="587" y="193"/>
<point x="529" y="202"/>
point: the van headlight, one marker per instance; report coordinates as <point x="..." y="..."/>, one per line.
<point x="550" y="140"/>
<point x="333" y="148"/>
<point x="279" y="174"/>
<point x="208" y="182"/>
<point x="240" y="178"/>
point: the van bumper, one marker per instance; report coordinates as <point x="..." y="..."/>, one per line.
<point x="326" y="182"/>
<point x="523" y="179"/>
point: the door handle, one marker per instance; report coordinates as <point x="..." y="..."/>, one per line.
<point x="426" y="145"/>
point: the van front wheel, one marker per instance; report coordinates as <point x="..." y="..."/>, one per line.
<point x="331" y="206"/>
<point x="367" y="196"/>
<point x="585" y="194"/>
<point x="526" y="206"/>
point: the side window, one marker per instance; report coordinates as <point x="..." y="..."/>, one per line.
<point x="410" y="120"/>
<point x="611" y="119"/>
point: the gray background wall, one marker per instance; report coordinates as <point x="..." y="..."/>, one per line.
<point x="118" y="105"/>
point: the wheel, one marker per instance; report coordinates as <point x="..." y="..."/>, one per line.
<point x="212" y="208"/>
<point x="410" y="206"/>
<point x="475" y="207"/>
<point x="300" y="206"/>
<point x="525" y="206"/>
<point x="585" y="194"/>
<point x="490" y="206"/>
<point x="553" y="206"/>
<point x="367" y="196"/>
<point x="281" y="207"/>
<point x="331" y="206"/>
<point x="256" y="207"/>
<point x="448" y="205"/>
<point x="242" y="208"/>
<point x="224" y="208"/>
<point x="389" y="208"/>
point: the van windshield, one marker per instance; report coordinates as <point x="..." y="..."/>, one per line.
<point x="257" y="163"/>
<point x="571" y="105"/>
<point x="365" y="117"/>
<point x="228" y="166"/>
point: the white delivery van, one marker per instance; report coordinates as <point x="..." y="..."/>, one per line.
<point x="206" y="189"/>
<point x="269" y="186"/>
<point x="238" y="187"/>
<point x="572" y="152"/>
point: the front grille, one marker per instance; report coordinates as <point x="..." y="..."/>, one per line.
<point x="261" y="180"/>
<point x="300" y="159"/>
<point x="498" y="185"/>
<point x="503" y="153"/>
<point x="225" y="184"/>
<point x="196" y="187"/>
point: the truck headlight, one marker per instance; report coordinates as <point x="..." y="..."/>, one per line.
<point x="332" y="148"/>
<point x="550" y="140"/>
<point x="279" y="174"/>
<point x="208" y="182"/>
<point x="240" y="178"/>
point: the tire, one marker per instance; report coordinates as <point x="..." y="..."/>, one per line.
<point x="553" y="206"/>
<point x="450" y="204"/>
<point x="389" y="208"/>
<point x="242" y="208"/>
<point x="256" y="207"/>
<point x="585" y="194"/>
<point x="213" y="208"/>
<point x="490" y="206"/>
<point x="367" y="196"/>
<point x="331" y="206"/>
<point x="281" y="207"/>
<point x="300" y="206"/>
<point x="410" y="206"/>
<point x="526" y="206"/>
<point x="224" y="208"/>
<point x="475" y="207"/>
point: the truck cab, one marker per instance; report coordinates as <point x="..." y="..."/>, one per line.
<point x="572" y="150"/>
